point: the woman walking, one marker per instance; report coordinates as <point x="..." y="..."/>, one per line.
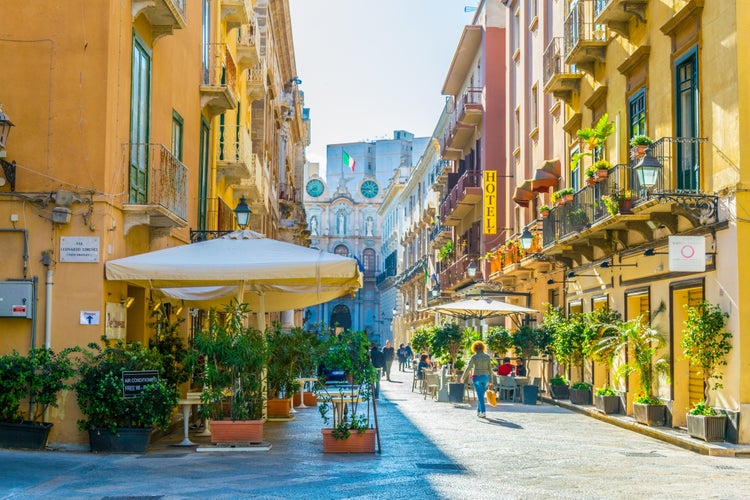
<point x="480" y="368"/>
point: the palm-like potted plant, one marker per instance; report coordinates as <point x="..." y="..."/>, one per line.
<point x="37" y="378"/>
<point x="706" y="344"/>
<point x="119" y="411"/>
<point x="351" y="431"/>
<point x="595" y="136"/>
<point x="590" y="174"/>
<point x="603" y="349"/>
<point x="644" y="345"/>
<point x="231" y="357"/>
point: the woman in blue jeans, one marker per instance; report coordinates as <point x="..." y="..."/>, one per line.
<point x="480" y="369"/>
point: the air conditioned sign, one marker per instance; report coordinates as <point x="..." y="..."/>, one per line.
<point x="133" y="382"/>
<point x="490" y="202"/>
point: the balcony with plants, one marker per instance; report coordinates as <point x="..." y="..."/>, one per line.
<point x="560" y="79"/>
<point x="465" y="191"/>
<point x="617" y="14"/>
<point x="164" y="16"/>
<point x="585" y="41"/>
<point x="158" y="187"/>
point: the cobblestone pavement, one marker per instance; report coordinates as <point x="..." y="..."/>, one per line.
<point x="428" y="450"/>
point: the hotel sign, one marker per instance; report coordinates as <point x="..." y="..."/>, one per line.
<point x="489" y="210"/>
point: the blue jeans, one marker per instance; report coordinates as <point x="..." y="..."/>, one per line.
<point x="480" y="387"/>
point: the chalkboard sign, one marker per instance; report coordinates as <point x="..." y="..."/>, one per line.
<point x="134" y="382"/>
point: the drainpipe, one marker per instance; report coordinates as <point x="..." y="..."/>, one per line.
<point x="46" y="260"/>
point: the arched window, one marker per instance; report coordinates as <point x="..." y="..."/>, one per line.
<point x="341" y="317"/>
<point x="341" y="250"/>
<point x="368" y="260"/>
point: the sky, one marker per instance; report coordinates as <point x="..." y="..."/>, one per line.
<point x="369" y="67"/>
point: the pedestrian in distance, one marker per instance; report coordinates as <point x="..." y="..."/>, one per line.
<point x="480" y="368"/>
<point x="409" y="354"/>
<point x="376" y="357"/>
<point x="388" y="355"/>
<point x="401" y="353"/>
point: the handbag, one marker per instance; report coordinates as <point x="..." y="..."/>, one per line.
<point x="491" y="398"/>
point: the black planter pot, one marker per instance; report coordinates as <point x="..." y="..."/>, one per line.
<point x="455" y="392"/>
<point x="26" y="435"/>
<point x="560" y="391"/>
<point x="530" y="393"/>
<point x="580" y="396"/>
<point x="126" y="441"/>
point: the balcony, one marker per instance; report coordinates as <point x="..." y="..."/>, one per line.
<point x="254" y="187"/>
<point x="616" y="14"/>
<point x="469" y="108"/>
<point x="247" y="46"/>
<point x="164" y="16"/>
<point x="585" y="41"/>
<point x="462" y="198"/>
<point x="560" y="79"/>
<point x="236" y="12"/>
<point x="233" y="154"/>
<point x="163" y="203"/>
<point x="439" y="234"/>
<point x="670" y="203"/>
<point x="455" y="275"/>
<point x="219" y="79"/>
<point x="256" y="81"/>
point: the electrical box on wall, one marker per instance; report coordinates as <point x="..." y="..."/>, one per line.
<point x="16" y="299"/>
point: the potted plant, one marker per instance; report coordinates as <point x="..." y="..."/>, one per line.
<point x="446" y="252"/>
<point x="596" y="136"/>
<point x="644" y="345"/>
<point x="37" y="378"/>
<point x="639" y="144"/>
<point x="602" y="348"/>
<point x="231" y="358"/>
<point x="578" y="218"/>
<point x="580" y="393"/>
<point x="559" y="387"/>
<point x="567" y="194"/>
<point x="611" y="204"/>
<point x="544" y="210"/>
<point x="706" y="344"/>
<point x="283" y="350"/>
<point x="123" y="396"/>
<point x="602" y="169"/>
<point x="591" y="174"/>
<point x="351" y="431"/>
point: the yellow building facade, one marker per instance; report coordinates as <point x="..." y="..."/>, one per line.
<point x="138" y="126"/>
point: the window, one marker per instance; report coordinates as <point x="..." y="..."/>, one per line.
<point x="534" y="113"/>
<point x="341" y="250"/>
<point x="575" y="170"/>
<point x="515" y="32"/>
<point x="140" y="108"/>
<point x="368" y="260"/>
<point x="637" y="114"/>
<point x="517" y="131"/>
<point x="686" y="74"/>
<point x="177" y="123"/>
<point x="203" y="175"/>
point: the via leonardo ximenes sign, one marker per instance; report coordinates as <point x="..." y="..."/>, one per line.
<point x="490" y="202"/>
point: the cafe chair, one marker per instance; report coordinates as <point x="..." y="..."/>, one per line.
<point x="432" y="384"/>
<point x="469" y="392"/>
<point x="537" y="381"/>
<point x="507" y="389"/>
<point x="414" y="381"/>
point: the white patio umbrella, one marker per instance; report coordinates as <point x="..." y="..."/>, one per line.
<point x="480" y="308"/>
<point x="269" y="275"/>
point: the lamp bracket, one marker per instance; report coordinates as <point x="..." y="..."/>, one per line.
<point x="700" y="208"/>
<point x="9" y="169"/>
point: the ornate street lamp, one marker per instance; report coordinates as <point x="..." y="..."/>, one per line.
<point x="647" y="171"/>
<point x="526" y="239"/>
<point x="5" y="125"/>
<point x="471" y="269"/>
<point x="242" y="213"/>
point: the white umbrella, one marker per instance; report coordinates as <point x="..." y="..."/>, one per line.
<point x="480" y="308"/>
<point x="269" y="275"/>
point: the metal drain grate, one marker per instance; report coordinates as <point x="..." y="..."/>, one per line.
<point x="441" y="466"/>
<point x="643" y="454"/>
<point x="163" y="455"/>
<point x="726" y="467"/>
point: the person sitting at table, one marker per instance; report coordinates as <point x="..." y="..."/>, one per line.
<point x="520" y="368"/>
<point x="424" y="363"/>
<point x="506" y="369"/>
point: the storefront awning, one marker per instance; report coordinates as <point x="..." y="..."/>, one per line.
<point x="546" y="176"/>
<point x="524" y="193"/>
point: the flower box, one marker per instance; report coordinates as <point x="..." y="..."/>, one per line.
<point x="236" y="431"/>
<point x="607" y="404"/>
<point x="648" y="414"/>
<point x="707" y="427"/>
<point x="357" y="442"/>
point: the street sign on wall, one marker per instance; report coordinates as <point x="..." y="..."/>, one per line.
<point x="687" y="253"/>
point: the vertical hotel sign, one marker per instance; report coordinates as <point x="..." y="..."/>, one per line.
<point x="489" y="212"/>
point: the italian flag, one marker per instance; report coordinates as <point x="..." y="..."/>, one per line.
<point x="349" y="161"/>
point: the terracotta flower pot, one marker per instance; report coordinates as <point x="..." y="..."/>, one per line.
<point x="356" y="442"/>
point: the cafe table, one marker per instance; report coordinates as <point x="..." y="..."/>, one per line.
<point x="302" y="382"/>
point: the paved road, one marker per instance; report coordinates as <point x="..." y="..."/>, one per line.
<point x="429" y="450"/>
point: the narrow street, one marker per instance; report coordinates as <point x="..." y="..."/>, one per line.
<point x="429" y="450"/>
